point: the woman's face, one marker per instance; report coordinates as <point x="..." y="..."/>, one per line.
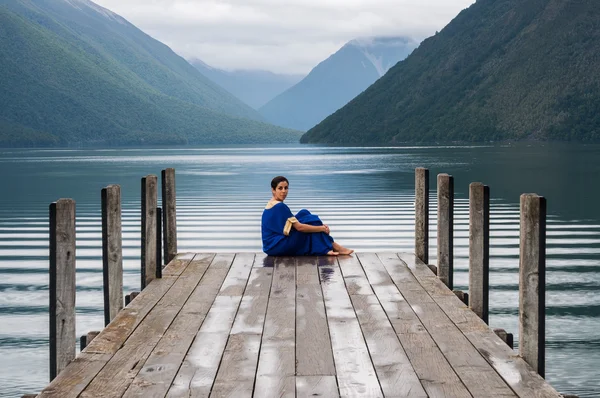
<point x="281" y="190"/>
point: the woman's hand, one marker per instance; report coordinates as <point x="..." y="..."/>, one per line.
<point x="326" y="229"/>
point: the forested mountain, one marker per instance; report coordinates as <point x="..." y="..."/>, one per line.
<point x="254" y="87"/>
<point x="501" y="70"/>
<point x="74" y="73"/>
<point x="335" y="81"/>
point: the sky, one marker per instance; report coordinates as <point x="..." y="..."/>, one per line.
<point x="281" y="36"/>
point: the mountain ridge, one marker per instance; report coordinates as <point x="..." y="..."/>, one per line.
<point x="501" y="70"/>
<point x="89" y="83"/>
<point x="335" y="81"/>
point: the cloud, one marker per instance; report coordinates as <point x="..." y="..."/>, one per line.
<point x="285" y="36"/>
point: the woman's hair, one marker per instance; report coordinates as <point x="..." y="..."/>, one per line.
<point x="275" y="181"/>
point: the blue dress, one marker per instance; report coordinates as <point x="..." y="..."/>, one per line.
<point x="281" y="239"/>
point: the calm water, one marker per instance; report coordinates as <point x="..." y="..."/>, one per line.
<point x="365" y="194"/>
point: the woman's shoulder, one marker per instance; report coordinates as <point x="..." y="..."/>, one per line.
<point x="273" y="203"/>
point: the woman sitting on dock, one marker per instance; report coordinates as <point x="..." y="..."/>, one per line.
<point x="304" y="234"/>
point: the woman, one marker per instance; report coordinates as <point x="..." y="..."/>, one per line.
<point x="304" y="234"/>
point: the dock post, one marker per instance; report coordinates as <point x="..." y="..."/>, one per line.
<point x="62" y="285"/>
<point x="149" y="202"/>
<point x="169" y="214"/>
<point x="422" y="214"/>
<point x="532" y="281"/>
<point x="159" y="263"/>
<point x="112" y="252"/>
<point x="479" y="249"/>
<point x="445" y="223"/>
<point x="86" y="339"/>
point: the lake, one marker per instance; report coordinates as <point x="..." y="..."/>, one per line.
<point x="366" y="195"/>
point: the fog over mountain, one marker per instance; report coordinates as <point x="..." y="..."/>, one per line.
<point x="254" y="87"/>
<point x="336" y="81"/>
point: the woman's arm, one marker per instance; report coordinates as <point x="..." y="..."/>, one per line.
<point x="310" y="228"/>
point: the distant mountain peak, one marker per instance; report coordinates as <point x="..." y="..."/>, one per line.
<point x="78" y="4"/>
<point x="337" y="80"/>
<point x="375" y="48"/>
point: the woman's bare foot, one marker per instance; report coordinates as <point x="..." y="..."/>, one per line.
<point x="341" y="249"/>
<point x="332" y="253"/>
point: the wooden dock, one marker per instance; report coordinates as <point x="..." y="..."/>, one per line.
<point x="247" y="325"/>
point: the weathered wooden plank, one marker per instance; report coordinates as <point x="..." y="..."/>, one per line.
<point x="445" y="229"/>
<point x="159" y="370"/>
<point x="238" y="367"/>
<point x="476" y="374"/>
<point x="422" y="213"/>
<point x="435" y="373"/>
<point x="114" y="379"/>
<point x="148" y="235"/>
<point x="521" y="377"/>
<point x="75" y="377"/>
<point x="196" y="375"/>
<point x="237" y="370"/>
<point x="394" y="370"/>
<point x="316" y="386"/>
<point x="479" y="249"/>
<point x="112" y="252"/>
<point x="313" y="346"/>
<point x="253" y="308"/>
<point x="354" y="276"/>
<point x="62" y="285"/>
<point x="532" y="282"/>
<point x="262" y="260"/>
<point x="275" y="375"/>
<point x="169" y="214"/>
<point x="355" y="372"/>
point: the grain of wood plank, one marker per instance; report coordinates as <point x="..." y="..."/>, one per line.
<point x="159" y="370"/>
<point x="316" y="386"/>
<point x="354" y="276"/>
<point x="523" y="380"/>
<point x="275" y="376"/>
<point x="238" y="367"/>
<point x="114" y="379"/>
<point x="313" y="346"/>
<point x="197" y="373"/>
<point x="62" y="285"/>
<point x="475" y="372"/>
<point x="435" y="373"/>
<point x="262" y="260"/>
<point x="355" y="372"/>
<point x="251" y="314"/>
<point x="75" y="377"/>
<point x="394" y="370"/>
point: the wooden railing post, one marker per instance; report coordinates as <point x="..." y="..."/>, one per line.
<point x="149" y="201"/>
<point x="159" y="242"/>
<point x="479" y="249"/>
<point x="422" y="214"/>
<point x="62" y="285"/>
<point x="445" y="223"/>
<point x="112" y="252"/>
<point x="532" y="281"/>
<point x="169" y="214"/>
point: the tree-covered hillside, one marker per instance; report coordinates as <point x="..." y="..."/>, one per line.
<point x="73" y="73"/>
<point x="501" y="70"/>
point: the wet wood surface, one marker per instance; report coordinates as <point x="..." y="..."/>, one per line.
<point x="248" y="325"/>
